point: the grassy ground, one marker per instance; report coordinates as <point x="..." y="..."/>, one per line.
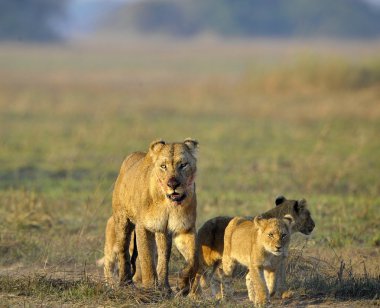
<point x="271" y="117"/>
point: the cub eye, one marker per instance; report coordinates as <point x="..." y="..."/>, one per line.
<point x="163" y="167"/>
<point x="283" y="235"/>
<point x="183" y="165"/>
<point x="270" y="234"/>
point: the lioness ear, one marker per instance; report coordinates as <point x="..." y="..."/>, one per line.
<point x="300" y="205"/>
<point x="192" y="145"/>
<point x="289" y="220"/>
<point x="156" y="146"/>
<point x="279" y="200"/>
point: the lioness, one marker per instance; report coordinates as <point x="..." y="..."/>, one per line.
<point x="155" y="195"/>
<point x="210" y="240"/>
<point x="259" y="245"/>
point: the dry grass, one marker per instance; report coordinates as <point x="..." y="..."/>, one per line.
<point x="272" y="118"/>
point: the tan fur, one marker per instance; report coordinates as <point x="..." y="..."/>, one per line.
<point x="210" y="241"/>
<point x="110" y="253"/>
<point x="258" y="245"/>
<point x="155" y="195"/>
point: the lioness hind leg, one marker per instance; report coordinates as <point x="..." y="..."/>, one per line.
<point x="109" y="267"/>
<point x="109" y="258"/>
<point x="123" y="233"/>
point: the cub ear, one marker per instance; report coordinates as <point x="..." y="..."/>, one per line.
<point x="289" y="220"/>
<point x="156" y="146"/>
<point x="192" y="145"/>
<point x="300" y="205"/>
<point x="279" y="200"/>
<point x="258" y="221"/>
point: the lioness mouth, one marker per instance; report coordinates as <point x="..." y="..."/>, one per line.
<point x="176" y="197"/>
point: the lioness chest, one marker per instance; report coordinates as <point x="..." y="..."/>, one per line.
<point x="163" y="217"/>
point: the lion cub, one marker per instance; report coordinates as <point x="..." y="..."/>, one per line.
<point x="210" y="240"/>
<point x="258" y="245"/>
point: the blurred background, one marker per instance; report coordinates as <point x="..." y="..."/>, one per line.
<point x="283" y="96"/>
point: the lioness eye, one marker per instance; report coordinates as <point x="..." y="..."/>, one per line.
<point x="270" y="234"/>
<point x="163" y="167"/>
<point x="283" y="235"/>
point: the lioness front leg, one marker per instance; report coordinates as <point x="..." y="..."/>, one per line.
<point x="164" y="246"/>
<point x="123" y="231"/>
<point x="145" y="247"/>
<point x="259" y="285"/>
<point x="186" y="244"/>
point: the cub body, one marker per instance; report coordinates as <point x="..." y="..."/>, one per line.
<point x="258" y="245"/>
<point x="210" y="240"/>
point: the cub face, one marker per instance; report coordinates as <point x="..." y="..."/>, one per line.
<point x="174" y="168"/>
<point x="303" y="222"/>
<point x="273" y="234"/>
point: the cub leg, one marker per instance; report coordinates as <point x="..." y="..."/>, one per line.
<point x="228" y="268"/>
<point x="186" y="244"/>
<point x="145" y="247"/>
<point x="164" y="246"/>
<point x="250" y="286"/>
<point x="281" y="287"/>
<point x="261" y="297"/>
<point x="123" y="230"/>
<point x="271" y="279"/>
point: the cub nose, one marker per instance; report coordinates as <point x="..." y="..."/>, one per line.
<point x="173" y="183"/>
<point x="278" y="247"/>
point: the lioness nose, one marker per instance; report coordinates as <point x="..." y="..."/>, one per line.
<point x="278" y="247"/>
<point x="173" y="183"/>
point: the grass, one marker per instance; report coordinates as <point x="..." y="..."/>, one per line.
<point x="271" y="117"/>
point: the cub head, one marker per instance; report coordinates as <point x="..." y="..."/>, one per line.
<point x="174" y="168"/>
<point x="274" y="233"/>
<point x="303" y="222"/>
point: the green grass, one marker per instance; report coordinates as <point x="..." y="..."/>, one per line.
<point x="302" y="124"/>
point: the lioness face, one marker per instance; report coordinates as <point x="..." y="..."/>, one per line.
<point x="274" y="234"/>
<point x="175" y="169"/>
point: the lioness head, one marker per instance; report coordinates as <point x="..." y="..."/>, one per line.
<point x="303" y="222"/>
<point x="174" y="168"/>
<point x="273" y="233"/>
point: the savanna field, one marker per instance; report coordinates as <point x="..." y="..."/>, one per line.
<point x="296" y="118"/>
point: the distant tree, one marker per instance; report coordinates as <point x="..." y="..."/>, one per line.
<point x="281" y="18"/>
<point x="26" y="20"/>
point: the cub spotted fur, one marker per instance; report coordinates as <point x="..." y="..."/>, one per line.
<point x="210" y="240"/>
<point x="258" y="245"/>
<point x="155" y="195"/>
